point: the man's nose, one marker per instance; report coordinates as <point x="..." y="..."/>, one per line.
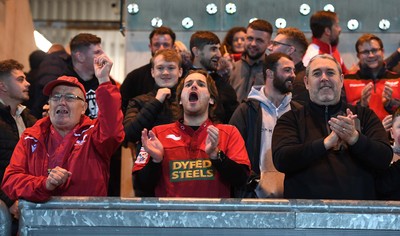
<point x="324" y="76"/>
<point x="194" y="86"/>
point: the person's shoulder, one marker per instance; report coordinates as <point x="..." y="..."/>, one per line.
<point x="226" y="128"/>
<point x="29" y="119"/>
<point x="39" y="129"/>
<point x="295" y="105"/>
<point x="352" y="75"/>
<point x="136" y="76"/>
<point x="391" y="75"/>
<point x="164" y="127"/>
<point x="144" y="98"/>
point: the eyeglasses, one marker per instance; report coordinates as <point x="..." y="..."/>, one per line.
<point x="275" y="43"/>
<point x="374" y="51"/>
<point x="68" y="97"/>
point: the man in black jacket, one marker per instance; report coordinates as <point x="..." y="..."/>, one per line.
<point x="256" y="118"/>
<point x="140" y="81"/>
<point x="157" y="107"/>
<point x="14" y="118"/>
<point x="329" y="149"/>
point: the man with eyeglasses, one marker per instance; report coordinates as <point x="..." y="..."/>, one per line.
<point x="373" y="85"/>
<point x="67" y="153"/>
<point x="293" y="43"/>
<point x="248" y="71"/>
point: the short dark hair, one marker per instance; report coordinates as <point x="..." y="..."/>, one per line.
<point x="201" y="38"/>
<point x="170" y="55"/>
<point x="7" y="66"/>
<point x="163" y="30"/>
<point x="271" y="62"/>
<point x="212" y="89"/>
<point x="295" y="36"/>
<point x="83" y="41"/>
<point x="368" y="38"/>
<point x="395" y="114"/>
<point x="261" y="25"/>
<point x="320" y="20"/>
<point x="228" y="40"/>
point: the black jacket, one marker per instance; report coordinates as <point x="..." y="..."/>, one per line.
<point x="137" y="82"/>
<point x="145" y="111"/>
<point x="8" y="140"/>
<point x="248" y="120"/>
<point x="312" y="172"/>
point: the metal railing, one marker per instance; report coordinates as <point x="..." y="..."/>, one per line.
<point x="188" y="216"/>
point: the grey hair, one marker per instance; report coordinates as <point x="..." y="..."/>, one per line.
<point x="324" y="56"/>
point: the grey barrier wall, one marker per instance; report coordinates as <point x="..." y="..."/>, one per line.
<point x="189" y="216"/>
<point x="5" y="220"/>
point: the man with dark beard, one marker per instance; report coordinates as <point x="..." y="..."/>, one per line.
<point x="249" y="70"/>
<point x="204" y="47"/>
<point x="256" y="119"/>
<point x="325" y="37"/>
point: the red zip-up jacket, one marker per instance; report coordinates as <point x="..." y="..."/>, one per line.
<point x="87" y="155"/>
<point x="318" y="47"/>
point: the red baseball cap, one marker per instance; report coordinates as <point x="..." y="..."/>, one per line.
<point x="63" y="80"/>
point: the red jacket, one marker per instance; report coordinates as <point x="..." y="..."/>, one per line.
<point x="187" y="170"/>
<point x="88" y="156"/>
<point x="355" y="83"/>
<point x="318" y="47"/>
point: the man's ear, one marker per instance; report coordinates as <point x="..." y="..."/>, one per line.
<point x="270" y="74"/>
<point x="195" y="51"/>
<point x="80" y="56"/>
<point x="180" y="72"/>
<point x="306" y="82"/>
<point x="3" y="86"/>
<point x="85" y="106"/>
<point x="292" y="49"/>
<point x="328" y="31"/>
<point x="212" y="101"/>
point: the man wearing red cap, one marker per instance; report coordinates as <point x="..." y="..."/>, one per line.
<point x="67" y="153"/>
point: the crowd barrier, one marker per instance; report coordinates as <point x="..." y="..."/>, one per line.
<point x="187" y="216"/>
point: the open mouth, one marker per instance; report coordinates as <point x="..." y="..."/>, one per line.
<point x="215" y="60"/>
<point x="290" y="80"/>
<point x="193" y="97"/>
<point x="325" y="87"/>
<point x="61" y="111"/>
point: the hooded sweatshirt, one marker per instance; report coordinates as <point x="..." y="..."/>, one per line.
<point x="270" y="114"/>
